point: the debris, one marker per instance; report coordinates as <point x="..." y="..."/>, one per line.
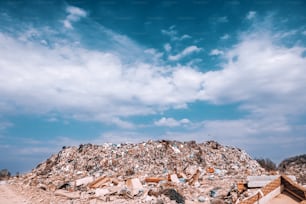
<point x="217" y="201"/>
<point x="158" y="172"/>
<point x="214" y="192"/>
<point x="241" y="187"/>
<point x="174" y="178"/>
<point x="64" y="193"/>
<point x="99" y="182"/>
<point x="201" y="199"/>
<point x="260" y="181"/>
<point x="154" y="179"/>
<point x="195" y="177"/>
<point x="84" y="181"/>
<point x="210" y="170"/>
<point x="174" y="195"/>
<point x="295" y="166"/>
<point x="101" y="192"/>
<point x="134" y="186"/>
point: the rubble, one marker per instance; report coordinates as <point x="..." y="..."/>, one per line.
<point x="295" y="166"/>
<point x="148" y="172"/>
<point x="64" y="193"/>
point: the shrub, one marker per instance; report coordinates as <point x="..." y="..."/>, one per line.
<point x="4" y="174"/>
<point x="267" y="164"/>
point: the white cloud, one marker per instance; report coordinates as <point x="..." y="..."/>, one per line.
<point x="170" y="32"/>
<point x="187" y="51"/>
<point x="167" y="47"/>
<point x="173" y="34"/>
<point x="304" y="32"/>
<point x="261" y="74"/>
<point x="83" y="84"/>
<point x="122" y="123"/>
<point x="171" y="122"/>
<point x="251" y="15"/>
<point x="74" y="15"/>
<point x="216" y="52"/>
<point x="185" y="36"/>
<point x="156" y="55"/>
<point x="281" y="35"/>
<point x="225" y="37"/>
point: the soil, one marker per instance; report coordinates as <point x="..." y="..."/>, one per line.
<point x="9" y="195"/>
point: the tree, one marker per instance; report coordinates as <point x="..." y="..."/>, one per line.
<point x="267" y="164"/>
<point x="4" y="173"/>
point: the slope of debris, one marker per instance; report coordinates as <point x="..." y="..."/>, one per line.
<point x="148" y="172"/>
<point x="295" y="166"/>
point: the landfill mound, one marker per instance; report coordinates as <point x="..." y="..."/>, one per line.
<point x="148" y="172"/>
<point x="295" y="166"/>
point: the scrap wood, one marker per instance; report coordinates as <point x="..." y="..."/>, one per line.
<point x="99" y="182"/>
<point x="155" y="179"/>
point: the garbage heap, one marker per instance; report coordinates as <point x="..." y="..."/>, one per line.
<point x="148" y="172"/>
<point x="295" y="166"/>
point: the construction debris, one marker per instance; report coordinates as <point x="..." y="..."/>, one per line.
<point x="295" y="166"/>
<point x="149" y="172"/>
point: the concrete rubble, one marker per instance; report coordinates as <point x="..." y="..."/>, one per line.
<point x="148" y="172"/>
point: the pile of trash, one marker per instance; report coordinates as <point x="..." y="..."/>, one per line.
<point x="295" y="166"/>
<point x="148" y="172"/>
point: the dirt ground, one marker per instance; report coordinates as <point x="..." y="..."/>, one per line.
<point x="10" y="196"/>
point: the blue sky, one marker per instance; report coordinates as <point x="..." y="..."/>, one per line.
<point x="79" y="71"/>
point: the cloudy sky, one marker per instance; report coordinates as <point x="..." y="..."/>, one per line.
<point x="79" y="71"/>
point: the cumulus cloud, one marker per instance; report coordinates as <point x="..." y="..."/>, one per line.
<point x="251" y="15"/>
<point x="215" y="52"/>
<point x="265" y="76"/>
<point x="187" y="51"/>
<point x="171" y="122"/>
<point x="74" y="15"/>
<point x="84" y="83"/>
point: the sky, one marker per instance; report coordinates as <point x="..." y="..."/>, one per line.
<point x="76" y="72"/>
